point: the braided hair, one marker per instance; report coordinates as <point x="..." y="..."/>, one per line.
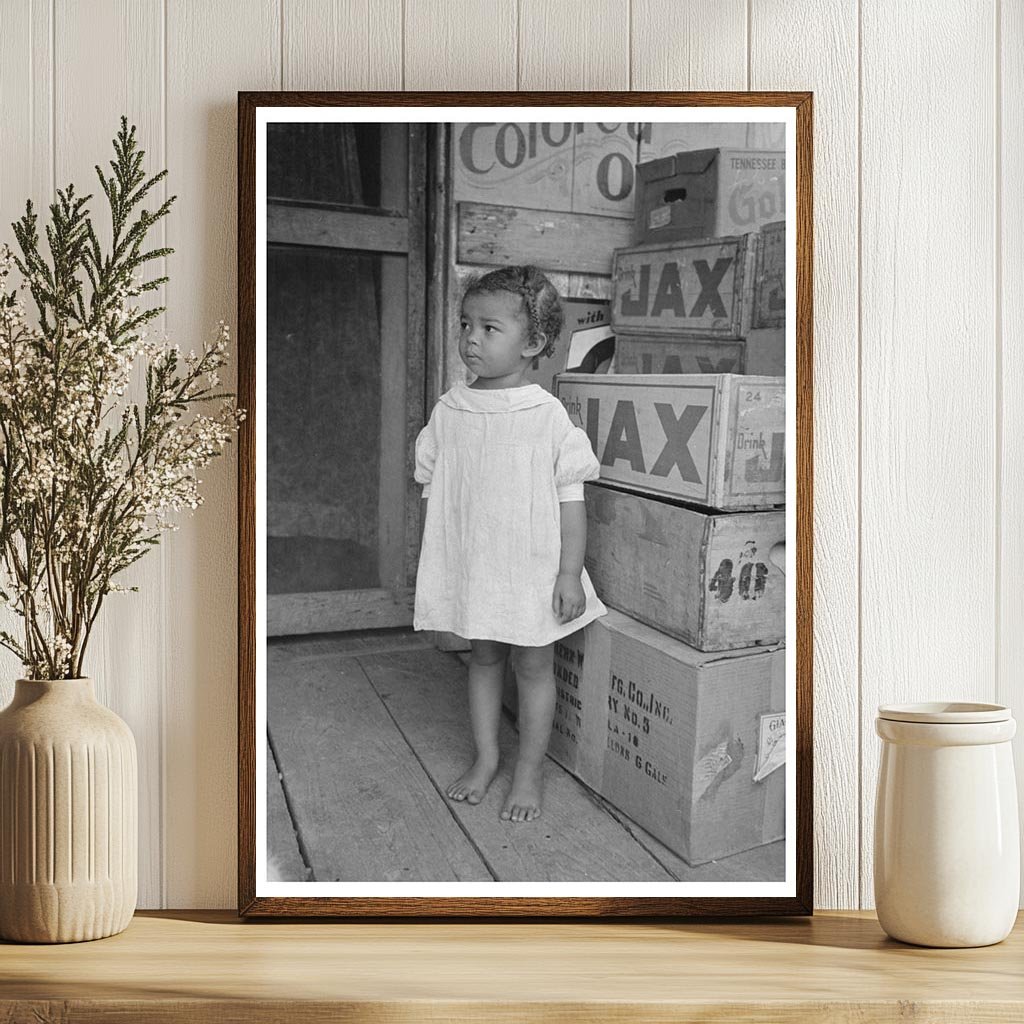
<point x="541" y="304"/>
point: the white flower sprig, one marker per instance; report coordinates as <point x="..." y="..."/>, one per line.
<point x="88" y="481"/>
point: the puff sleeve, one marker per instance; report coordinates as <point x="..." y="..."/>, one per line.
<point x="426" y="454"/>
<point x="574" y="462"/>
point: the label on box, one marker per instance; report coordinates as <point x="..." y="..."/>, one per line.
<point x="770" y="278"/>
<point x="657" y="436"/>
<point x="752" y="190"/>
<point x="659" y="217"/>
<point x="771" y="745"/>
<point x="681" y="289"/>
<point x="759" y="449"/>
<point x="582" y="167"/>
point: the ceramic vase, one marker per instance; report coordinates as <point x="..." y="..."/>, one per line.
<point x="68" y="815"/>
<point x="947" y="847"/>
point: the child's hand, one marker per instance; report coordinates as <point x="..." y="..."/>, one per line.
<point x="568" y="600"/>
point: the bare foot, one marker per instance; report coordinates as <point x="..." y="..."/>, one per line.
<point x="523" y="801"/>
<point x="472" y="786"/>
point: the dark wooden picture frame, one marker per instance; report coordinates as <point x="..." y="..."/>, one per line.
<point x="432" y="318"/>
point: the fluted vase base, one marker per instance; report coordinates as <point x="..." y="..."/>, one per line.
<point x="68" y="815"/>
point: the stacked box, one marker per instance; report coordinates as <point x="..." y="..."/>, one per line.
<point x="712" y="579"/>
<point x="683" y="289"/>
<point x="686" y="743"/>
<point x="692" y="307"/>
<point x="673" y="705"/>
<point x="645" y="353"/>
<point x="709" y="305"/>
<point x="766" y="321"/>
<point x="707" y="193"/>
<point x="715" y="439"/>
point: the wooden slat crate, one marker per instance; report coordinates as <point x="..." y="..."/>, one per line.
<point x="646" y="353"/>
<point x="769" y="296"/>
<point x="683" y="288"/>
<point x="713" y="580"/>
<point x="714" y="439"/>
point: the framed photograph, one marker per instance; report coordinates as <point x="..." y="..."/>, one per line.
<point x="524" y="504"/>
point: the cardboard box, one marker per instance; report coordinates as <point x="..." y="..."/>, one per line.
<point x="693" y="289"/>
<point x="714" y="580"/>
<point x="586" y="342"/>
<point x="769" y="298"/>
<point x="707" y="193"/>
<point x="687" y="744"/>
<point x="646" y="353"/>
<point x="579" y="717"/>
<point x="715" y="439"/>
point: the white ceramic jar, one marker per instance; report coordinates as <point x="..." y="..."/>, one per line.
<point x="947" y="847"/>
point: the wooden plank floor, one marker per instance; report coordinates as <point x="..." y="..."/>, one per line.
<point x="365" y="731"/>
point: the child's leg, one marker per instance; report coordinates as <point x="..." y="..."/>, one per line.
<point x="486" y="679"/>
<point x="536" y="684"/>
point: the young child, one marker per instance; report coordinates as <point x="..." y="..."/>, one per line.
<point x="501" y="562"/>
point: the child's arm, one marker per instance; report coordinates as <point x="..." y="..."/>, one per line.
<point x="568" y="600"/>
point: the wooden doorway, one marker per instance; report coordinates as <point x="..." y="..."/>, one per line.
<point x="346" y="318"/>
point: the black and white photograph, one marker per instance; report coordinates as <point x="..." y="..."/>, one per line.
<point x="524" y="451"/>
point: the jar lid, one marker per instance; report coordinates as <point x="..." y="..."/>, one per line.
<point x="945" y="712"/>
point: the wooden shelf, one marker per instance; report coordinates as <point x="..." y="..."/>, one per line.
<point x="200" y="966"/>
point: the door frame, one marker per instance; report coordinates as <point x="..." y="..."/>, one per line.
<point x="398" y="234"/>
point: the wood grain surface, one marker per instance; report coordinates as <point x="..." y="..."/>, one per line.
<point x="203" y="967"/>
<point x="357" y="757"/>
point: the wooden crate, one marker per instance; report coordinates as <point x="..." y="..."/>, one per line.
<point x="714" y="439"/>
<point x="707" y="193"/>
<point x="687" y="744"/>
<point x="691" y="289"/>
<point x="714" y="580"/>
<point x="765" y="351"/>
<point x="769" y="293"/>
<point x="645" y="353"/>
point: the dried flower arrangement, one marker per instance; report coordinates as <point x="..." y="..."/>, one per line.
<point x="87" y="479"/>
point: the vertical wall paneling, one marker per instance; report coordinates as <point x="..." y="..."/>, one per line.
<point x="122" y="657"/>
<point x="696" y="45"/>
<point x="213" y="51"/>
<point x="574" y="44"/>
<point x="916" y="592"/>
<point x="831" y="73"/>
<point x="26" y="69"/>
<point x="347" y="44"/>
<point x="928" y="516"/>
<point x="26" y="170"/>
<point x="465" y="44"/>
<point x="1010" y="264"/>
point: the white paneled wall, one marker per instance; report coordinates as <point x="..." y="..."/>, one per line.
<point x="919" y="301"/>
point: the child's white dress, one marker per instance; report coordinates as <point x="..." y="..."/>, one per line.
<point x="494" y="465"/>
